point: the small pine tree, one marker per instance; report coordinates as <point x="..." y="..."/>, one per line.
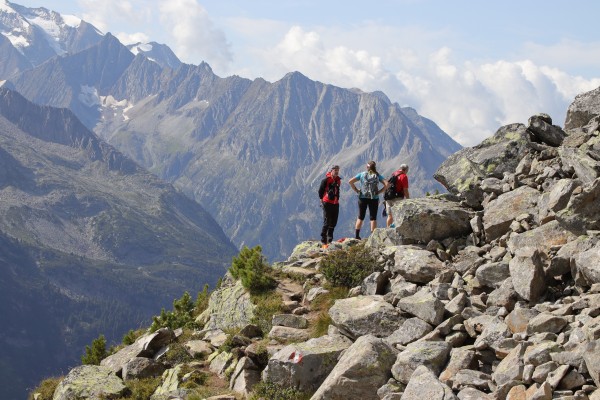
<point x="251" y="268"/>
<point x="182" y="315"/>
<point x="96" y="352"/>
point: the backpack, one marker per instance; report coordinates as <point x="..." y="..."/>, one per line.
<point x="370" y="185"/>
<point x="333" y="191"/>
<point x="393" y="190"/>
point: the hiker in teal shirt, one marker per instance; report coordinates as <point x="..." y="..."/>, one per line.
<point x="368" y="195"/>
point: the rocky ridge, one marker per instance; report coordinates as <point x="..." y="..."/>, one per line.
<point x="489" y="292"/>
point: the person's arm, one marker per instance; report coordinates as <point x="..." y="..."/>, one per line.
<point x="384" y="188"/>
<point x="406" y="194"/>
<point x="351" y="182"/>
<point x="322" y="188"/>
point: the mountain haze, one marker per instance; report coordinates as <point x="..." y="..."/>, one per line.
<point x="90" y="242"/>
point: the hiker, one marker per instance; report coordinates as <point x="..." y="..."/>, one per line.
<point x="396" y="191"/>
<point x="329" y="193"/>
<point x="368" y="195"/>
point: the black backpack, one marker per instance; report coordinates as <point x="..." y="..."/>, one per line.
<point x="333" y="191"/>
<point x="392" y="191"/>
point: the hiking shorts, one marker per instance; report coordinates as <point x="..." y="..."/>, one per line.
<point x="390" y="203"/>
<point x="373" y="205"/>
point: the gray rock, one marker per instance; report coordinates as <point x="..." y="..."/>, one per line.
<point x="142" y="367"/>
<point x="361" y="315"/>
<point x="361" y="370"/>
<point x="290" y="321"/>
<point x="416" y="265"/>
<point x="424" y="384"/>
<point x="285" y="334"/>
<point x="546" y="132"/>
<point x="198" y="348"/>
<point x="411" y="330"/>
<point x="376" y="283"/>
<point x="426" y="219"/>
<point x="229" y="307"/>
<point x="460" y="358"/>
<point x="527" y="273"/>
<point x="541" y="353"/>
<point x="220" y="363"/>
<point x="585" y="167"/>
<point x="462" y="171"/>
<point x="471" y="378"/>
<point x="492" y="274"/>
<point x="511" y="367"/>
<point x="587" y="263"/>
<point x="145" y="346"/>
<point x="423" y="305"/>
<point x="90" y="381"/>
<point x="244" y="377"/>
<point x="304" y="366"/>
<point x="546" y="322"/>
<point x="581" y="214"/>
<point x="543" y="238"/>
<point x="584" y="108"/>
<point x="500" y="213"/>
<point x="433" y="355"/>
<point x="591" y="356"/>
<point x="472" y="394"/>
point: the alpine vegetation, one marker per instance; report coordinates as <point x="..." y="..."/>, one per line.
<point x="491" y="291"/>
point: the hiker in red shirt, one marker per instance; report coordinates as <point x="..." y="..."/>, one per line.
<point x="329" y="193"/>
<point x="398" y="190"/>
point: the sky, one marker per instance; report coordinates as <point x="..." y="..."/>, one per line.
<point x="471" y="66"/>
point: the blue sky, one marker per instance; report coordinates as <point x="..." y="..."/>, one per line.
<point x="469" y="65"/>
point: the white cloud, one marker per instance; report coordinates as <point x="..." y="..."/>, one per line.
<point x="132" y="38"/>
<point x="469" y="100"/>
<point x="194" y="34"/>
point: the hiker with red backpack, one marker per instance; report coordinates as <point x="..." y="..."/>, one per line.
<point x="368" y="195"/>
<point x="329" y="193"/>
<point x="396" y="191"/>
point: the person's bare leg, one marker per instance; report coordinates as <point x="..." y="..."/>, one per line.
<point x="373" y="225"/>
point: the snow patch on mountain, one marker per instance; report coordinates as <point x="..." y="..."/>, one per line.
<point x="73" y="21"/>
<point x="118" y="106"/>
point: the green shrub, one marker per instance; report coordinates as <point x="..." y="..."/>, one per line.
<point x="141" y="389"/>
<point x="131" y="336"/>
<point x="177" y="354"/>
<point x="46" y="389"/>
<point x="272" y="391"/>
<point x="202" y="301"/>
<point x="252" y="270"/>
<point x="96" y="352"/>
<point x="267" y="304"/>
<point x="348" y="268"/>
<point x="181" y="316"/>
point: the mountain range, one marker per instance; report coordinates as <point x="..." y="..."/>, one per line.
<point x="90" y="242"/>
<point x="251" y="152"/>
<point x="128" y="177"/>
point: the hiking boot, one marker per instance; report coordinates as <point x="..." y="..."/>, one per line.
<point x="325" y="245"/>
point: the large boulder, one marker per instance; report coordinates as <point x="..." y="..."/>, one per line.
<point x="501" y="212"/>
<point x="584" y="108"/>
<point x="304" y="366"/>
<point x="587" y="265"/>
<point x="424" y="384"/>
<point x="462" y="171"/>
<point x="426" y="219"/>
<point x="415" y="264"/>
<point x="90" y="382"/>
<point x="542" y="238"/>
<point x="586" y="168"/>
<point x="423" y="305"/>
<point x="361" y="370"/>
<point x="527" y="273"/>
<point x="229" y="307"/>
<point x="362" y="315"/>
<point x="145" y="346"/>
<point x="582" y="213"/>
<point x="433" y="355"/>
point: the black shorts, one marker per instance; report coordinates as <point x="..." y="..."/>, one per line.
<point x="373" y="205"/>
